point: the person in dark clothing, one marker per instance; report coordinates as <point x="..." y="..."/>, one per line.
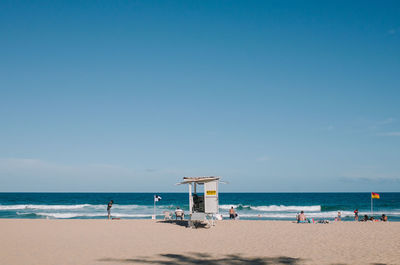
<point x="109" y="208"/>
<point x="366" y="218"/>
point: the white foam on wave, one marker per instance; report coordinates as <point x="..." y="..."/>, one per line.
<point x="70" y="207"/>
<point x="330" y="214"/>
<point x="42" y="207"/>
<point x="275" y="208"/>
<point x="287" y="215"/>
<point x="228" y="206"/>
<point x="75" y="215"/>
<point x="128" y="206"/>
<point x="70" y="215"/>
<point x="283" y="208"/>
<point x="145" y="211"/>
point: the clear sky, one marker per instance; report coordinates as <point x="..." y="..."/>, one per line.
<point x="134" y="95"/>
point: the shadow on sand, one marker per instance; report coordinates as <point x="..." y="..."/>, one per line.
<point x="176" y="222"/>
<point x="184" y="223"/>
<point x="203" y="258"/>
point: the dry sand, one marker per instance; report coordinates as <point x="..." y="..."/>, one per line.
<point x="104" y="242"/>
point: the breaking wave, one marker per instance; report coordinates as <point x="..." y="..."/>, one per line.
<point x="68" y="207"/>
<point x="273" y="208"/>
<point x="69" y="215"/>
<point x="43" y="207"/>
<point x="135" y="211"/>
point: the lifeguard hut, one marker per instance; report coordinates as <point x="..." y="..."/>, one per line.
<point x="203" y="199"/>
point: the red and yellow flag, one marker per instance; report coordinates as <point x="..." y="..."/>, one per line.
<point x="374" y="195"/>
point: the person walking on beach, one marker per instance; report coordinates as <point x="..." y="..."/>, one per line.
<point x="232" y="214"/>
<point x="339" y="216"/>
<point x="109" y="208"/>
<point x="356" y="215"/>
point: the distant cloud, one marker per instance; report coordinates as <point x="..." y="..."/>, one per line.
<point x="329" y="128"/>
<point x="381" y="123"/>
<point x="394" y="31"/>
<point x="389" y="134"/>
<point x="371" y="180"/>
<point x="212" y="133"/>
<point x="28" y="172"/>
<point x="381" y="127"/>
<point x="371" y="176"/>
<point x="30" y="165"/>
<point x="263" y="158"/>
<point x="365" y="126"/>
<point x="387" y="121"/>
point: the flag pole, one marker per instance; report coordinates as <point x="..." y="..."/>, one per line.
<point x="372" y="209"/>
<point x="154" y="212"/>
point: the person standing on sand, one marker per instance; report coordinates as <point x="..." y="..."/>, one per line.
<point x="231" y="213"/>
<point x="356" y="215"/>
<point x="109" y="208"/>
<point x="339" y="216"/>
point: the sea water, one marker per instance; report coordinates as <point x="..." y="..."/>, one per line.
<point x="252" y="206"/>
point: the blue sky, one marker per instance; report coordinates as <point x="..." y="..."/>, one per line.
<point x="134" y="95"/>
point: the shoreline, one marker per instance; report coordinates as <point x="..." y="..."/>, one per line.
<point x="226" y="219"/>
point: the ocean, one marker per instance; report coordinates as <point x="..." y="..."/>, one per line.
<point x="250" y="206"/>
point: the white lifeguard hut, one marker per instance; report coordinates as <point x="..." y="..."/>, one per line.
<point x="203" y="199"/>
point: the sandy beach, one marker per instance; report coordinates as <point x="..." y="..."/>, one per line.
<point x="229" y="242"/>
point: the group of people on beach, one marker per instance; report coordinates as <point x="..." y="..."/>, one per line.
<point x="383" y="218"/>
<point x="179" y="213"/>
<point x="301" y="218"/>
